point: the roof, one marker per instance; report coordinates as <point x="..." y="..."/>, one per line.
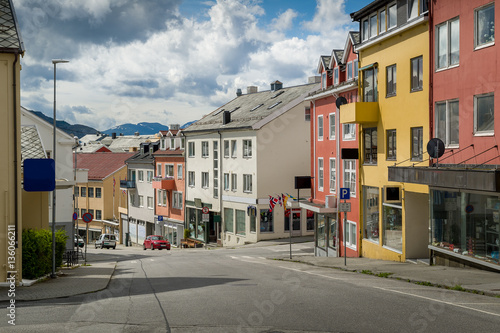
<point x="353" y="38"/>
<point x="252" y="111"/>
<point x="102" y="165"/>
<point x="31" y="144"/>
<point x="174" y="152"/>
<point x="324" y="62"/>
<point x="147" y="157"/>
<point x="92" y="147"/>
<point x="337" y="56"/>
<point x="371" y="7"/>
<point x="10" y="36"/>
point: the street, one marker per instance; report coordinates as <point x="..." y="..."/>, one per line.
<point x="242" y="290"/>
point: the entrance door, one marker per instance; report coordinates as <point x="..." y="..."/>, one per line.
<point x="295" y="216"/>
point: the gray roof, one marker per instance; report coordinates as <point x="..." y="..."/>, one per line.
<point x="355" y="36"/>
<point x="337" y="55"/>
<point x="31" y="145"/>
<point x="124" y="143"/>
<point x="10" y="36"/>
<point x="249" y="109"/>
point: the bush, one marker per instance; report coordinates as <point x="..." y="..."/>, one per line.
<point x="37" y="252"/>
<point x="187" y="233"/>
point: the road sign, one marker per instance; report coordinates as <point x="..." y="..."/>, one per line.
<point x="345" y="193"/>
<point x="205" y="217"/>
<point x="87" y="217"/>
<point x="75" y="216"/>
<point x="344" y="207"/>
<point x="205" y="210"/>
<point x="160" y="218"/>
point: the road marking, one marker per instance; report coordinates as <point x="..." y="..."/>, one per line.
<point x="307" y="272"/>
<point x="439" y="301"/>
<point x="133" y="262"/>
<point x="151" y="260"/>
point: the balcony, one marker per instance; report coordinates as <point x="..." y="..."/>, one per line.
<point x="359" y="113"/>
<point x="167" y="183"/>
<point x="126" y="184"/>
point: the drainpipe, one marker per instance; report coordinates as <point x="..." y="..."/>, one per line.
<point x="431" y="69"/>
<point x="16" y="162"/>
<point x="337" y="182"/>
<point x="221" y="180"/>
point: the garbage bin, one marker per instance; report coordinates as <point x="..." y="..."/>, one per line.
<point x="127" y="239"/>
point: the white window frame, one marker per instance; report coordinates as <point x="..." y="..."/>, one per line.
<point x="350" y="235"/>
<point x="355" y="68"/>
<point x="336" y="75"/>
<point x="348" y="135"/>
<point x="191" y="179"/>
<point x="320" y="127"/>
<point x="159" y="196"/>
<point x="177" y="200"/>
<point x="226" y="148"/>
<point x="476" y="11"/>
<point x="333" y="175"/>
<point x="204" y="149"/>
<point x="350" y="71"/>
<point x="447" y="24"/>
<point x="349" y="170"/>
<point x="226" y="182"/>
<point x="141" y="201"/>
<point x="321" y="174"/>
<point x="234" y="149"/>
<point x="179" y="171"/>
<point x="447" y="116"/>
<point x="370" y="25"/>
<point x="140" y="176"/>
<point x="489" y="132"/>
<point x="234" y="182"/>
<point x="365" y="33"/>
<point x="205" y="180"/>
<point x="390" y="24"/>
<point x="172" y="143"/>
<point x="331" y="123"/>
<point x="191" y="149"/>
<point x="408" y="7"/>
<point x="323" y="80"/>
<point x="247" y="148"/>
<point x="247" y="183"/>
<point x="150" y="202"/>
<point x="159" y="167"/>
<point x="169" y="167"/>
<point x="150" y="175"/>
<point x="382" y="23"/>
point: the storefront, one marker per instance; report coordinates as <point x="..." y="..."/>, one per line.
<point x="326" y="228"/>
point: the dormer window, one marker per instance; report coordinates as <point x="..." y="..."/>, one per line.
<point x="336" y="75"/>
<point x="364" y="27"/>
<point x="381" y="21"/>
<point x="373" y="26"/>
<point x="323" y="80"/>
<point x="163" y="144"/>
<point x="349" y="71"/>
<point x="172" y="143"/>
<point x="392" y="18"/>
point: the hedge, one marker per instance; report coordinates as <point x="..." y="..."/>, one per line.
<point x="37" y="252"/>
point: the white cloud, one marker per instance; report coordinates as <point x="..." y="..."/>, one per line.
<point x="330" y="15"/>
<point x="285" y="20"/>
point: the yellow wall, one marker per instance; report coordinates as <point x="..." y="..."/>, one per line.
<point x="36" y="210"/>
<point x="10" y="128"/>
<point x="401" y="112"/>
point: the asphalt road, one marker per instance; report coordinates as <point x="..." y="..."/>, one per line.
<point x="241" y="290"/>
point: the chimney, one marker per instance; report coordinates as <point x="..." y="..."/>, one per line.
<point x="238" y="92"/>
<point x="121" y="134"/>
<point x="314" y="79"/>
<point x="136" y="133"/>
<point x="226" y="117"/>
<point x="174" y="127"/>
<point x="252" y="89"/>
<point x="113" y="135"/>
<point x="276" y="85"/>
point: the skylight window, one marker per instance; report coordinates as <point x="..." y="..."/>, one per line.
<point x="278" y="93"/>
<point x="236" y="108"/>
<point x="218" y="112"/>
<point x="272" y="106"/>
<point x="255" y="108"/>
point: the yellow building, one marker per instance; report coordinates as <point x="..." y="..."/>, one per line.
<point x="394" y="126"/>
<point x="11" y="47"/>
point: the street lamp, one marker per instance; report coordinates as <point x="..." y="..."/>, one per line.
<point x="53" y="275"/>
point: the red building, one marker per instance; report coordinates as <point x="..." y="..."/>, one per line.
<point x="339" y="85"/>
<point x="169" y="184"/>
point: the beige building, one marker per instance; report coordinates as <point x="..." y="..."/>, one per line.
<point x="11" y="48"/>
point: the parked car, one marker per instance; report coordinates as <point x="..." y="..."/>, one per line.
<point x="156" y="242"/>
<point x="79" y="241"/>
<point x="106" y="241"/>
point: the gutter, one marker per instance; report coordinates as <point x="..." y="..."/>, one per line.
<point x="16" y="150"/>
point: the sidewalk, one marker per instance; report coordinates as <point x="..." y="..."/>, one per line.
<point x="470" y="279"/>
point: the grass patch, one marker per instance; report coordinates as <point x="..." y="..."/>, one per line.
<point x="424" y="283"/>
<point x="384" y="274"/>
<point x="458" y="288"/>
<point x="366" y="271"/>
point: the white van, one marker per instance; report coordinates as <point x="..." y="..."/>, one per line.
<point x="106" y="241"/>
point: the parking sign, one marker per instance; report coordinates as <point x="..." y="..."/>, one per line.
<point x="345" y="193"/>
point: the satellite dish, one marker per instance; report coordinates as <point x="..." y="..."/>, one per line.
<point x="435" y="148"/>
<point x="340" y="101"/>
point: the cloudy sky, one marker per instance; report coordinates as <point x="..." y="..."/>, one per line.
<point x="169" y="61"/>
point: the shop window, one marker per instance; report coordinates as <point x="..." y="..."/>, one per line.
<point x="350" y="234"/>
<point x="371" y="213"/>
<point x="266" y="221"/>
<point x="309" y="220"/>
<point x="228" y="220"/>
<point x="392" y="227"/>
<point x="321" y="231"/>
<point x="332" y="233"/>
<point x="295" y="215"/>
<point x="240" y="222"/>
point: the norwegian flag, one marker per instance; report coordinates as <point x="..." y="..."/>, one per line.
<point x="280" y="201"/>
<point x="272" y="203"/>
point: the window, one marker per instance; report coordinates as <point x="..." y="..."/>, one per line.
<point x="371" y="213"/>
<point x="83" y="192"/>
<point x="158" y="170"/>
<point x="91" y="192"/>
<point x="183" y="143"/>
<point x="172" y="143"/>
<point x="164" y="197"/>
<point x="141" y="201"/>
<point x="226" y="182"/>
<point x="150" y="176"/>
<point x="162" y="141"/>
<point x="391" y="145"/>
<point x="392" y="18"/>
<point x="204" y="149"/>
<point x="307" y="114"/>
<point x="169" y="170"/>
<point x="417" y="143"/>
<point x="417" y="72"/>
<point x="253" y="224"/>
<point x="150" y="203"/>
<point x="91" y="212"/>
<point x="447" y="122"/>
<point x="240" y="222"/>
<point x="233" y="148"/>
<point x="350" y="234"/>
<point x="247" y="183"/>
<point x="191" y="178"/>
<point x="83" y="211"/>
<point x="484" y="25"/>
<point x="391" y="81"/>
<point x="392" y="226"/>
<point x="370" y="145"/>
<point x="350" y="175"/>
<point x="320" y="128"/>
<point x="247" y="148"/>
<point x="333" y="175"/>
<point x="356" y="68"/>
<point x="320" y="174"/>
<point x="370" y="85"/>
<point x="323" y="80"/>
<point x="365" y="28"/>
<point x="98" y="214"/>
<point x="336" y="75"/>
<point x="228" y="220"/>
<point x="216" y="169"/>
<point x="76" y="191"/>
<point x="177" y="200"/>
<point x="159" y="197"/>
<point x="226" y="148"/>
<point x="412" y="9"/>
<point x="332" y="126"/>
<point x="373" y="26"/>
<point x="483" y="114"/>
<point x="266" y="221"/>
<point x="349" y="70"/>
<point x="381" y="21"/>
<point x="98" y="192"/>
<point x="448" y="44"/>
<point x="191" y="149"/>
<point x="234" y="182"/>
<point x="423" y="6"/>
<point x="204" y="180"/>
<point x="140" y="175"/>
<point x="349" y="132"/>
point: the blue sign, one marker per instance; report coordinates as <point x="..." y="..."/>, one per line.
<point x="160" y="218"/>
<point x="39" y="175"/>
<point x="75" y="216"/>
<point x="345" y="193"/>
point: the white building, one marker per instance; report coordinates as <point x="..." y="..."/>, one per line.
<point x="240" y="154"/>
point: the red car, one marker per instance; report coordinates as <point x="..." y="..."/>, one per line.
<point x="156" y="242"/>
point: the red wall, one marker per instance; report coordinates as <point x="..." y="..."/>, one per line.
<point x="168" y="211"/>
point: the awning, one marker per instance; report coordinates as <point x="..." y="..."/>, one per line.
<point x="321" y="209"/>
<point x="90" y="229"/>
<point x="375" y="64"/>
<point x="110" y="222"/>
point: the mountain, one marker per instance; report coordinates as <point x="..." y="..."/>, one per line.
<point x="78" y="130"/>
<point x="142" y="128"/>
<point x="188" y="124"/>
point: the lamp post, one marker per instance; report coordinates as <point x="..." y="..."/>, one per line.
<point x="53" y="275"/>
